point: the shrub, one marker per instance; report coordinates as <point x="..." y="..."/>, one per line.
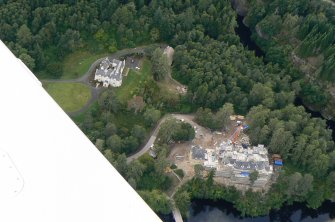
<point x="179" y="172"/>
<point x="173" y="166"/>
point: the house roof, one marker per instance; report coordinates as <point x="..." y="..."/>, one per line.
<point x="111" y="69"/>
<point x="198" y="152"/>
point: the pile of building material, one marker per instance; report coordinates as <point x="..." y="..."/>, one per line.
<point x="212" y="160"/>
<point x="236" y="117"/>
<point x="277" y="162"/>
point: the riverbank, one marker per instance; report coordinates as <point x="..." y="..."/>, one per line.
<point x="245" y="37"/>
<point x="284" y="45"/>
<point x="203" y="210"/>
<point x="215" y="211"/>
<point x="330" y="123"/>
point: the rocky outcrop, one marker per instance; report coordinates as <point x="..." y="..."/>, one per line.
<point x="241" y="6"/>
<point x="260" y="33"/>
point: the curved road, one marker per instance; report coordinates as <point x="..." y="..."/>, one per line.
<point x="187" y="118"/>
<point x="95" y="92"/>
<point x="151" y="141"/>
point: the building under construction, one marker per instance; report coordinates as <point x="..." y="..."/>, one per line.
<point x="237" y="162"/>
<point x="235" y="159"/>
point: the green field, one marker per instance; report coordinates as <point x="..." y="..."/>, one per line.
<point x="76" y="64"/>
<point x="70" y="96"/>
<point x="131" y="83"/>
<point x="134" y="81"/>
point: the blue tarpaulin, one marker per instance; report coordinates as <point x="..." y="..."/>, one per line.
<point x="246" y="174"/>
<point x="279" y="163"/>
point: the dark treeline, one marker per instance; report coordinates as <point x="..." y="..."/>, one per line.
<point x="41" y="33"/>
<point x="217" y="69"/>
<point x="304" y="29"/>
<point x="111" y="125"/>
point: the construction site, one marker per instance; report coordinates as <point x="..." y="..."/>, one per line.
<point x="230" y="154"/>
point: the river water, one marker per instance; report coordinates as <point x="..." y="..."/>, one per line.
<point x="222" y="211"/>
<point x="245" y="37"/>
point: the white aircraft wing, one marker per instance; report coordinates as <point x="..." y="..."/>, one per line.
<point x="49" y="170"/>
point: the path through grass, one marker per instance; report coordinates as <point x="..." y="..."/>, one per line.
<point x="76" y="64"/>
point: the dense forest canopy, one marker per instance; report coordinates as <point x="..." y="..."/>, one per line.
<point x="217" y="69"/>
<point x="301" y="31"/>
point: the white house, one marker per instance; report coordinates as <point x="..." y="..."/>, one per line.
<point x="110" y="72"/>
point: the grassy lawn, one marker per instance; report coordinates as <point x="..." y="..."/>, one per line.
<point x="131" y="83"/>
<point x="76" y="64"/>
<point x="81" y="117"/>
<point x="135" y="80"/>
<point x="70" y="96"/>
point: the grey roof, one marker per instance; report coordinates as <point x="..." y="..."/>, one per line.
<point x="198" y="153"/>
<point x="105" y="63"/>
<point x="100" y="72"/>
<point x="260" y="165"/>
<point x="111" y="69"/>
<point x="250" y="165"/>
